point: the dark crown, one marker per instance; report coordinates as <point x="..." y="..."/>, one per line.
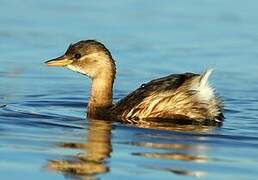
<point x="85" y="47"/>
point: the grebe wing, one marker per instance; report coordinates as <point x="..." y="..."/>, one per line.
<point x="169" y="83"/>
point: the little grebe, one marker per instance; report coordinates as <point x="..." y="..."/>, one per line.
<point x="177" y="97"/>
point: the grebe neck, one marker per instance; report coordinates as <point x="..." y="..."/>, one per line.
<point x="101" y="93"/>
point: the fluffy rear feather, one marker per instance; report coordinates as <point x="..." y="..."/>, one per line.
<point x="201" y="85"/>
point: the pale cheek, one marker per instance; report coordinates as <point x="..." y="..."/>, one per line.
<point x="86" y="71"/>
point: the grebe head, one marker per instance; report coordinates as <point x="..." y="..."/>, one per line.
<point x="87" y="57"/>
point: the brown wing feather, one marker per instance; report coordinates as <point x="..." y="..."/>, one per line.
<point x="168" y="83"/>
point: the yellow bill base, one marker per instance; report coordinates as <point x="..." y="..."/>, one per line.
<point x="58" y="62"/>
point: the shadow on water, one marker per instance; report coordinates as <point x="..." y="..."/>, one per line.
<point x="97" y="149"/>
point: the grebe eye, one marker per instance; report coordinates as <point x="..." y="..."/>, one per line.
<point x="77" y="56"/>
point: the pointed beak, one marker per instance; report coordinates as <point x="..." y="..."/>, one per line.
<point x="59" y="61"/>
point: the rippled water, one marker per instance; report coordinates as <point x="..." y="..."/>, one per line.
<point x="43" y="130"/>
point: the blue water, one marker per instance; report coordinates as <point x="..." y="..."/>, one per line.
<point x="43" y="130"/>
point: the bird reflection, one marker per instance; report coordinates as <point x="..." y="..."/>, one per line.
<point x="98" y="147"/>
<point x="180" y="151"/>
<point x="147" y="124"/>
<point x="96" y="151"/>
<point x="176" y="152"/>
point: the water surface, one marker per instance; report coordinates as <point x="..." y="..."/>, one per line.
<point x="43" y="130"/>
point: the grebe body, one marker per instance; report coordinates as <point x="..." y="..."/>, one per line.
<point x="177" y="97"/>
